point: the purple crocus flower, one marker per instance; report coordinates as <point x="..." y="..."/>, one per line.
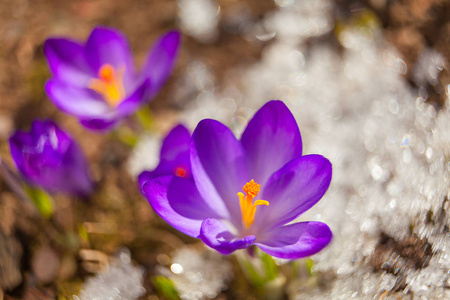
<point x="245" y="192"/>
<point x="98" y="83"/>
<point x="174" y="156"/>
<point x="48" y="157"/>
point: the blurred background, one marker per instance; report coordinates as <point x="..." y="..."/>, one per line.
<point x="368" y="82"/>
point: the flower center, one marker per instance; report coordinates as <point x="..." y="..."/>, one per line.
<point x="109" y="84"/>
<point x="248" y="207"/>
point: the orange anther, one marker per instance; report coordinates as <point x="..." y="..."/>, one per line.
<point x="109" y="84"/>
<point x="106" y="73"/>
<point x="251" y="188"/>
<point x="248" y="207"/>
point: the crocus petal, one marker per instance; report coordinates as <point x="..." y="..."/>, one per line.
<point x="132" y="102"/>
<point x="271" y="140"/>
<point x="40" y="151"/>
<point x="174" y="154"/>
<point x="161" y="59"/>
<point x="180" y="166"/>
<point x="296" y="240"/>
<point x="144" y="177"/>
<point x="218" y="167"/>
<point x="178" y="202"/>
<point x="292" y="190"/>
<point x="67" y="61"/>
<point x="109" y="46"/>
<point x="99" y="124"/>
<point x="78" y="171"/>
<point x="58" y="140"/>
<point x="17" y="142"/>
<point x="216" y="235"/>
<point x="125" y="108"/>
<point x="176" y="142"/>
<point x="50" y="158"/>
<point x="80" y="102"/>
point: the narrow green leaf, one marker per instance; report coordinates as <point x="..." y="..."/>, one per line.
<point x="309" y="266"/>
<point x="270" y="266"/>
<point x="253" y="275"/>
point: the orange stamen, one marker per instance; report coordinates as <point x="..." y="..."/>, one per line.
<point x="109" y="84"/>
<point x="248" y="207"/>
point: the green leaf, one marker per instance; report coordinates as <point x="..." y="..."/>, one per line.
<point x="41" y="200"/>
<point x="270" y="266"/>
<point x="255" y="278"/>
<point x="165" y="287"/>
<point x="309" y="263"/>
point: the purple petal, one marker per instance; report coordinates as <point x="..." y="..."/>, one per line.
<point x="17" y="142"/>
<point x="218" y="167"/>
<point x="174" y="154"/>
<point x="49" y="157"/>
<point x="56" y="139"/>
<point x="216" y="235"/>
<point x="296" y="240"/>
<point x="94" y="112"/>
<point x="67" y="62"/>
<point x="144" y="177"/>
<point x="176" y="142"/>
<point x="99" y="124"/>
<point x="161" y="59"/>
<point x="179" y="167"/>
<point x="129" y="105"/>
<point x="271" y="140"/>
<point x="80" y="102"/>
<point x="109" y="46"/>
<point x="292" y="190"/>
<point x="178" y="202"/>
<point x="40" y="150"/>
<point x="78" y="171"/>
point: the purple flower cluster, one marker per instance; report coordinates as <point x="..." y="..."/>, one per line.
<point x="233" y="194"/>
<point x="98" y="83"/>
<point x="48" y="157"/>
<point x="230" y="193"/>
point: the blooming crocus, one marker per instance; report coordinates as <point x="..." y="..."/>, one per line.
<point x="97" y="81"/>
<point x="48" y="157"/>
<point x="174" y="156"/>
<point x="245" y="192"/>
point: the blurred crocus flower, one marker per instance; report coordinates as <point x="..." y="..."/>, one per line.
<point x="174" y="156"/>
<point x="48" y="157"/>
<point x="244" y="192"/>
<point x="98" y="83"/>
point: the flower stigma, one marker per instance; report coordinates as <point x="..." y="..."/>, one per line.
<point x="109" y="84"/>
<point x="248" y="207"/>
